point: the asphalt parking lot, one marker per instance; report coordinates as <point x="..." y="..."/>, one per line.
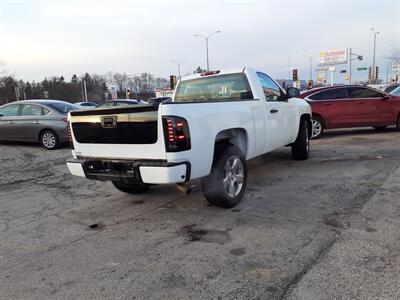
<point x="328" y="227"/>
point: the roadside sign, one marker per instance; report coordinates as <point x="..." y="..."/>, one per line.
<point x="322" y="68"/>
<point x="396" y="68"/>
<point x="362" y="69"/>
<point x="321" y="76"/>
<point x="332" y="57"/>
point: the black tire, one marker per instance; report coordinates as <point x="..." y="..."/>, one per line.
<point x="131" y="188"/>
<point x="398" y="123"/>
<point x="301" y="147"/>
<point x="226" y="184"/>
<point x="380" y="128"/>
<point x="318" y="127"/>
<point x="49" y="140"/>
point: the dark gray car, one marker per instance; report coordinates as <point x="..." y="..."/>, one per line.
<point x="43" y="121"/>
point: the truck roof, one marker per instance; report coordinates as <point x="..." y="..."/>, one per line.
<point x="220" y="72"/>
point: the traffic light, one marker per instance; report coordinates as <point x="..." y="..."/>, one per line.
<point x="376" y="72"/>
<point x="370" y="73"/>
<point x="172" y="81"/>
<point x="295" y="75"/>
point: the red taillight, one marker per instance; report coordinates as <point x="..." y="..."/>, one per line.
<point x="69" y="135"/>
<point x="209" y="73"/>
<point x="176" y="133"/>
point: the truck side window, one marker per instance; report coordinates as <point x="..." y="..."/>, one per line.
<point x="271" y="90"/>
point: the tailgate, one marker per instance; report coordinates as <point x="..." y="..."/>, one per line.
<point x="128" y="132"/>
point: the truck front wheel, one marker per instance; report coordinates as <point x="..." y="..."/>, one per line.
<point x="301" y="146"/>
<point x="226" y="184"/>
<point x="131" y="188"/>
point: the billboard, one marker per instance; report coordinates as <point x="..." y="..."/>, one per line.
<point x="332" y="57"/>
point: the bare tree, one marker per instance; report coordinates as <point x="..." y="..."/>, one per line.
<point x="2" y="68"/>
<point x="394" y="55"/>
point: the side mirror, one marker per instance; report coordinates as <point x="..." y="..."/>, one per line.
<point x="292" y="92"/>
<point x="385" y="96"/>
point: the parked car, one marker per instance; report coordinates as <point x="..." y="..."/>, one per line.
<point x="85" y="105"/>
<point x="158" y="101"/>
<point x="346" y="106"/>
<point x="391" y="87"/>
<point x="43" y="121"/>
<point x="395" y="92"/>
<point x="216" y="121"/>
<point x="119" y="102"/>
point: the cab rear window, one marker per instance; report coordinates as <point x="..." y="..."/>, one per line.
<point x="228" y="87"/>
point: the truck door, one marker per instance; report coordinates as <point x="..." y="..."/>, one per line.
<point x="280" y="114"/>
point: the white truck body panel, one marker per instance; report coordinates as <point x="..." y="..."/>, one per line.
<point x="263" y="127"/>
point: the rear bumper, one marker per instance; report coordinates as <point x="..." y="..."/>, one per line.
<point x="138" y="171"/>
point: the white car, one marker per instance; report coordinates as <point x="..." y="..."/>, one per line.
<point x="85" y="105"/>
<point x="216" y="121"/>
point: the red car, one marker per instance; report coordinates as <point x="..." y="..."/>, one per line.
<point x="344" y="106"/>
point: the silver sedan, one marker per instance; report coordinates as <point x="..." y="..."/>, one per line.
<point x="43" y="121"/>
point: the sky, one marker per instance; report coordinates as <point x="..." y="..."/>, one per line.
<point x="52" y="38"/>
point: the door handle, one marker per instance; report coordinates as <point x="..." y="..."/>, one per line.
<point x="36" y="122"/>
<point x="327" y="103"/>
<point x="362" y="102"/>
<point x="11" y="122"/>
<point x="273" y="111"/>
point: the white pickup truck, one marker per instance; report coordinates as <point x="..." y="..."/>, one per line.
<point x="216" y="121"/>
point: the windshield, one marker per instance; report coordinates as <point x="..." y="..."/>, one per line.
<point x="62" y="107"/>
<point x="214" y="88"/>
<point x="396" y="92"/>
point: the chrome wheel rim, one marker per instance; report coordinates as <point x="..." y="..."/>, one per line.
<point x="49" y="140"/>
<point x="316" y="128"/>
<point x="233" y="176"/>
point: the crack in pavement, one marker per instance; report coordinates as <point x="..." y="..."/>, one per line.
<point x="366" y="196"/>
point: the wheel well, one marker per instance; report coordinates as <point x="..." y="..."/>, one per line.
<point x="307" y="118"/>
<point x="46" y="129"/>
<point x="233" y="136"/>
<point x="321" y="118"/>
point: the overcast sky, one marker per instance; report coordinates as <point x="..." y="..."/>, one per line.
<point x="47" y="38"/>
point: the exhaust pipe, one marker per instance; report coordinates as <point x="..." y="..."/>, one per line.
<point x="182" y="187"/>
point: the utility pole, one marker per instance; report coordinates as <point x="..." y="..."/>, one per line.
<point x="84" y="91"/>
<point x="357" y="57"/>
<point x="206" y="39"/>
<point x="387" y="73"/>
<point x="179" y="67"/>
<point x="373" y="61"/>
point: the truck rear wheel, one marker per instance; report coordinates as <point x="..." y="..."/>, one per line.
<point x="301" y="146"/>
<point x="131" y="188"/>
<point x="226" y="184"/>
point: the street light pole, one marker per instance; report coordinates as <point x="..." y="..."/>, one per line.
<point x="357" y="57"/>
<point x="206" y="39"/>
<point x="179" y="67"/>
<point x="373" y="61"/>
